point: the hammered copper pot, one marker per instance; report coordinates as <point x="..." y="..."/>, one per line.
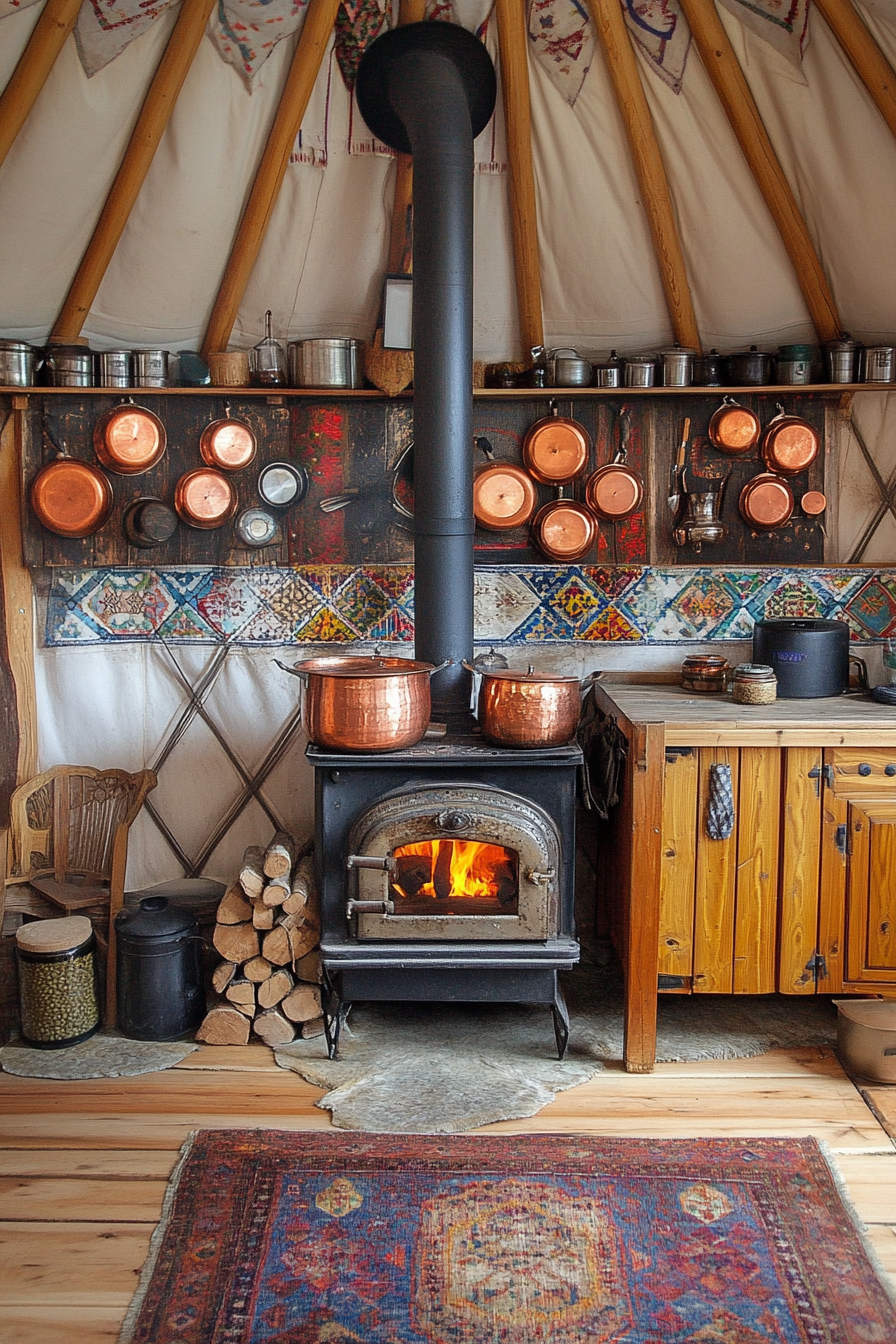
<point x="528" y="709"/>
<point x="364" y="704"/>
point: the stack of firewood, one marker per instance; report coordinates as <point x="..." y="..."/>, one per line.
<point x="268" y="932"/>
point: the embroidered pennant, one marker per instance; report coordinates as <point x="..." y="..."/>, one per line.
<point x="105" y="27"/>
<point x="782" y="23"/>
<point x="562" y="35"/>
<point x="659" y="28"/>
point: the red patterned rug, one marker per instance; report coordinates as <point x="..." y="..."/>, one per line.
<point x="293" y="1238"/>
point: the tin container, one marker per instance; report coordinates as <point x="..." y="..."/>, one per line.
<point x="327" y="362"/>
<point x="610" y="373"/>
<point x="866" y="1038"/>
<point x="754" y="684"/>
<point x="113" y="368"/>
<point x="705" y="673"/>
<point x="843" y="360"/>
<point x="707" y="370"/>
<point x="158" y="971"/>
<point x="68" y="366"/>
<point x="640" y="371"/>
<point x="880" y="364"/>
<point x="794" y="371"/>
<point x="58" y="993"/>
<point x="16" y="364"/>
<point x="678" y="366"/>
<point x="151" y="368"/>
<point x="749" y="368"/>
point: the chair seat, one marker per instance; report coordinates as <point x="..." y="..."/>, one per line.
<point x="71" y="895"/>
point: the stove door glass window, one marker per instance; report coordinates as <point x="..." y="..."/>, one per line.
<point x="455" y="877"/>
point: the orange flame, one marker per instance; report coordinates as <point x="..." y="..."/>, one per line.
<point x="474" y="869"/>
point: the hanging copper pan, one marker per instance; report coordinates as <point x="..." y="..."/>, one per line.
<point x="556" y="449"/>
<point x="789" y="445"/>
<point x="129" y="439"/>
<point x="228" y="444"/>
<point x="503" y="496"/>
<point x="615" y="491"/>
<point x="766" y="501"/>
<point x="564" y="530"/>
<point x="205" y="498"/>
<point x="71" y="497"/>
<point x="734" y="429"/>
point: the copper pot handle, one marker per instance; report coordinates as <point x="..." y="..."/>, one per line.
<point x="293" y="672"/>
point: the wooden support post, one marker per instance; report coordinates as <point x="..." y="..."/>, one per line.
<point x="154" y="117"/>
<point x="309" y="52"/>
<point x="409" y="11"/>
<point x="513" y="43"/>
<point x="734" y="93"/>
<point x="648" y="164"/>
<point x="868" y="61"/>
<point x="35" y="64"/>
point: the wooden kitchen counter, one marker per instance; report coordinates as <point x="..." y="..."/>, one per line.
<point x="799" y="898"/>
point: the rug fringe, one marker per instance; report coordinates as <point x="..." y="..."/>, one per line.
<point x="877" y="1264"/>
<point x="130" y="1321"/>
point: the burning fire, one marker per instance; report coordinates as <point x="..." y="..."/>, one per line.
<point x="445" y="869"/>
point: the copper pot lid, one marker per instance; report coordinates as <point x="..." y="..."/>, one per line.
<point x="503" y="497"/>
<point x="129" y="439"/>
<point x="614" y="492"/>
<point x="813" y="503"/>
<point x="205" y="498"/>
<point x="555" y="449"/>
<point x="529" y="677"/>
<point x="734" y="428"/>
<point x="766" y="501"/>
<point x="790" y="445"/>
<point x="71" y="498"/>
<point x="349" y="666"/>
<point x="228" y="444"/>
<point x="564" y="530"/>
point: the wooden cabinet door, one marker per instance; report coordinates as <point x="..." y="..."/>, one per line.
<point x="678" y="864"/>
<point x="871" y="891"/>
<point x="800" y="871"/>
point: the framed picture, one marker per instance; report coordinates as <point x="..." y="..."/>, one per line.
<point x="398" y="302"/>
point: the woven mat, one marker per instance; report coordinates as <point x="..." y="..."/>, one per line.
<point x="105" y="1055"/>
<point x="301" y="1238"/>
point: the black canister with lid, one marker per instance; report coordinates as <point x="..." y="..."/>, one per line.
<point x="158" y="972"/>
<point x="810" y="657"/>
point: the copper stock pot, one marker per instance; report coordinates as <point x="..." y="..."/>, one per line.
<point x="527" y="709"/>
<point x="364" y="704"/>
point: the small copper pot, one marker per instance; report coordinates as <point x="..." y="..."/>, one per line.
<point x="615" y="491"/>
<point x="789" y="445"/>
<point x="734" y="429"/>
<point x="766" y="501"/>
<point x="205" y="498"/>
<point x="228" y="444"/>
<point x="70" y="497"/>
<point x="564" y="530"/>
<point x="528" y="709"/>
<point x="556" y="449"/>
<point x="364" y="704"/>
<point x="129" y="439"/>
<point x="503" y="496"/>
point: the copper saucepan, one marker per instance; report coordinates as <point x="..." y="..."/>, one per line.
<point x="734" y="429"/>
<point x="556" y="449"/>
<point x="789" y="445"/>
<point x="527" y="709"/>
<point x="129" y="439"/>
<point x="564" y="530"/>
<point x="364" y="704"/>
<point x="71" y="497"/>
<point x="228" y="444"/>
<point x="503" y="494"/>
<point x="615" y="491"/>
<point x="766" y="501"/>
<point x="205" y="498"/>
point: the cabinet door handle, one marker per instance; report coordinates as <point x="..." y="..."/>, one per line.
<point x="720" y="806"/>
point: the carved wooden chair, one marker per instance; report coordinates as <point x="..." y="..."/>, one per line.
<point x="68" y="841"/>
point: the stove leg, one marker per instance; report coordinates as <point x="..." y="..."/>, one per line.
<point x="560" y="1014"/>
<point x="334" y="1015"/>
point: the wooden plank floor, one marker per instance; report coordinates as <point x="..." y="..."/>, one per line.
<point x="84" y="1166"/>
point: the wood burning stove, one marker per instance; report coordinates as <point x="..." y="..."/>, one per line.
<point x="446" y="873"/>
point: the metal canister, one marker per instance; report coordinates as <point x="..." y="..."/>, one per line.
<point x="69" y="366"/>
<point x="16" y="364"/>
<point x="678" y="366"/>
<point x="843" y="360"/>
<point x="707" y="369"/>
<point x="151" y="368"/>
<point x="326" y="362"/>
<point x="754" y="684"/>
<point x="880" y="364"/>
<point x="792" y="371"/>
<point x="158" y="971"/>
<point x="640" y="371"/>
<point x="57" y="982"/>
<point x="609" y="373"/>
<point x="113" y="368"/>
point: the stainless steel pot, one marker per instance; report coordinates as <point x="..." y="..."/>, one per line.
<point x="327" y="362"/>
<point x="843" y="360"/>
<point x="113" y="368"/>
<point x="880" y="364"/>
<point x="678" y="366"/>
<point x="69" y="366"/>
<point x="16" y="364"/>
<point x="151" y="368"/>
<point x="569" y="369"/>
<point x="640" y="371"/>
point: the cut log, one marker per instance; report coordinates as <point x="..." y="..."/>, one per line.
<point x="309" y="969"/>
<point x="241" y="993"/>
<point x="283" y="946"/>
<point x="273" y="1028"/>
<point x="247" y="1010"/>
<point x="279" y="856"/>
<point x="302" y="1004"/>
<point x="236" y="942"/>
<point x="234" y="908"/>
<point x="251" y="877"/>
<point x="222" y="976"/>
<point x="295" y="902"/>
<point x="263" y="917"/>
<point x="275" y="988"/>
<point x="276" y="891"/>
<point x="309" y="1030"/>
<point x="258" y="969"/>
<point x="224" y="1026"/>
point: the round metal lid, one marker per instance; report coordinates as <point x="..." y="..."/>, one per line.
<point x="281" y="484"/>
<point x="766" y="501"/>
<point x="71" y="498"/>
<point x="503" y="497"/>
<point x="205" y="498"/>
<point x="256" y="527"/>
<point x="154" y="920"/>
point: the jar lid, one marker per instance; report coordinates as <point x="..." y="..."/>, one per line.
<point x="754" y="672"/>
<point x="15" y="345"/>
<point x="54" y="935"/>
<point x="678" y="350"/>
<point x="797" y="352"/>
<point x="705" y="662"/>
<point x="153" y="920"/>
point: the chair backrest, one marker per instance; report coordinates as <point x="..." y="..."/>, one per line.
<point x="64" y="822"/>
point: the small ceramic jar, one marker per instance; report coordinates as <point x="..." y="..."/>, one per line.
<point x="706" y="673"/>
<point x="754" y="684"/>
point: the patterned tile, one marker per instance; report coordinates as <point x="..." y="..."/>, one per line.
<point x="502" y="602"/>
<point x="874" y="607"/>
<point x="704" y="603"/>
<point x="794" y="599"/>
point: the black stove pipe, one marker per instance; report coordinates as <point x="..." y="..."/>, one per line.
<point x="429" y="89"/>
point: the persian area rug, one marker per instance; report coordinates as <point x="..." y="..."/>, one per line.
<point x="443" y="1068"/>
<point x="306" y="1238"/>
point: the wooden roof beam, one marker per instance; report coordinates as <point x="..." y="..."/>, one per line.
<point x="155" y="114"/>
<point x="734" y="94"/>
<point x="513" y="43"/>
<point x="868" y="61"/>
<point x="648" y="163"/>
<point x="35" y="63"/>
<point x="306" y="61"/>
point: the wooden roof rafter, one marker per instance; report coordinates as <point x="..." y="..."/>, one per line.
<point x="32" y="71"/>
<point x="866" y="57"/>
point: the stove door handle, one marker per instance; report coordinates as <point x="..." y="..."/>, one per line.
<point x="385" y="907"/>
<point x="384" y="863"/>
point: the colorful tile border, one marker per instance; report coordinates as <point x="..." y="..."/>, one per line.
<point x="515" y="604"/>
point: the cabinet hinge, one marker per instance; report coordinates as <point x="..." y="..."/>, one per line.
<point x="674" y="753"/>
<point x="817" y="967"/>
<point x="670" y="981"/>
<point x="841" y="839"/>
<point x="825" y="772"/>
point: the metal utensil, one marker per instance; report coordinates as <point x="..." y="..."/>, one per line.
<point x="674" y="497"/>
<point x="333" y="503"/>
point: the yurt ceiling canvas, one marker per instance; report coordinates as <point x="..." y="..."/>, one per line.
<point x="322" y="260"/>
